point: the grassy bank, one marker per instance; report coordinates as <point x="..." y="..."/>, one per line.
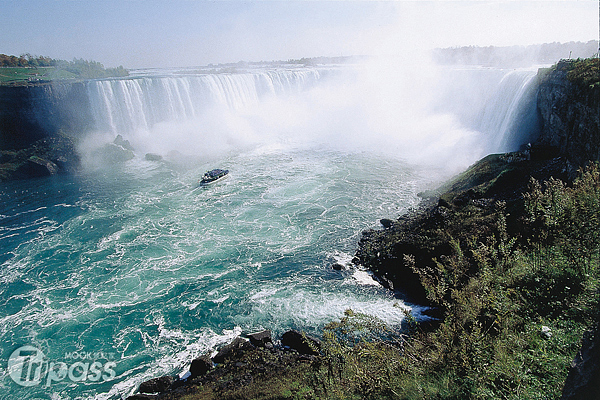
<point x="13" y="75"/>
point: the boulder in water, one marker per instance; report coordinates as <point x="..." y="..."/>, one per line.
<point x="119" y="141"/>
<point x="233" y="349"/>
<point x="386" y="223"/>
<point x="153" y="157"/>
<point x="112" y="153"/>
<point x="200" y="366"/>
<point x="141" y="396"/>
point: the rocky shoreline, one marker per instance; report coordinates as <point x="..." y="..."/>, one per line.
<point x="45" y="157"/>
<point x="236" y="365"/>
<point x="568" y="101"/>
<point x="464" y="208"/>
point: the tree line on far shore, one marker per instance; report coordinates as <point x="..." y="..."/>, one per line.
<point x="79" y="67"/>
<point x="26" y="60"/>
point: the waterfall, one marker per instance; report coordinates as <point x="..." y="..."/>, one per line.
<point x="498" y="103"/>
<point x="450" y="118"/>
<point x="509" y="116"/>
<point x="128" y="105"/>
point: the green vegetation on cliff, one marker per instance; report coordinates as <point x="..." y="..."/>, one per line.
<point x="585" y="72"/>
<point x="516" y="289"/>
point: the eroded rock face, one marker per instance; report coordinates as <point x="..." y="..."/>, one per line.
<point x="570" y="116"/>
<point x="30" y="113"/>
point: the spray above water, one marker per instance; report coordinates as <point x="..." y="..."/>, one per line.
<point x="408" y="109"/>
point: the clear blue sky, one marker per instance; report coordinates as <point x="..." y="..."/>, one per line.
<point x="161" y="33"/>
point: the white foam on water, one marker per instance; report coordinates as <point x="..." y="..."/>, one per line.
<point x="172" y="361"/>
<point x="364" y="277"/>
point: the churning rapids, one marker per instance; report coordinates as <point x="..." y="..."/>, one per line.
<point x="133" y="267"/>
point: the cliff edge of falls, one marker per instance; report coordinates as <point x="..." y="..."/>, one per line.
<point x="569" y="106"/>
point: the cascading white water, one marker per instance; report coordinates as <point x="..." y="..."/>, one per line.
<point x="498" y="103"/>
<point x="510" y="114"/>
<point x="127" y="105"/>
<point x="471" y="111"/>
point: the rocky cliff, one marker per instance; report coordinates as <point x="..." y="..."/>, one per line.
<point x="33" y="112"/>
<point x="569" y="107"/>
<point x="39" y="125"/>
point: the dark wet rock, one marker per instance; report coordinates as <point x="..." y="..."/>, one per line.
<point x="46" y="157"/>
<point x="301" y="342"/>
<point x="242" y="364"/>
<point x="119" y="141"/>
<point x="543" y="152"/>
<point x="200" y="366"/>
<point x="157" y="385"/>
<point x="385" y="282"/>
<point x="386" y="223"/>
<point x="153" y="157"/>
<point x="36" y="167"/>
<point x="444" y="203"/>
<point x="260" y="339"/>
<point x="233" y="349"/>
<point x="7" y="156"/>
<point x="140" y="396"/>
<point x="569" y="117"/>
<point x="337" y="266"/>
